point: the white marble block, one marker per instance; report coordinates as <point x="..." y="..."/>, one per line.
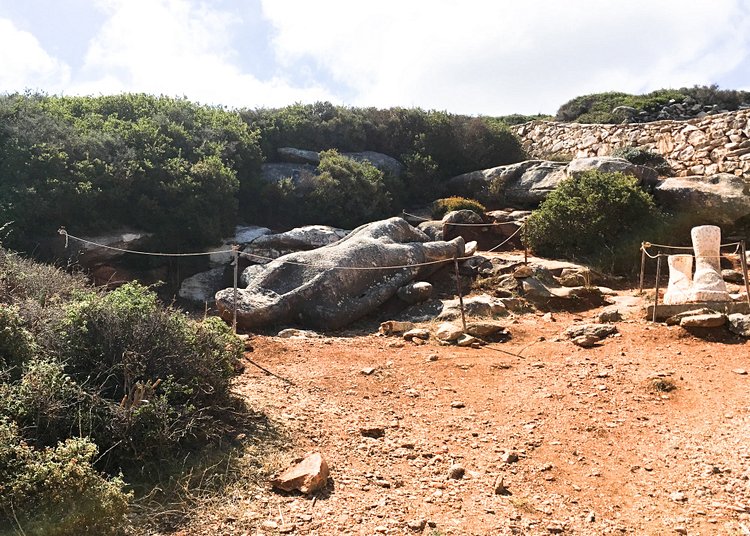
<point x="680" y="279"/>
<point x="708" y="284"/>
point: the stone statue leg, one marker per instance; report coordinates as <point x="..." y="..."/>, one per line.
<point x="680" y="279"/>
<point x="708" y="284"/>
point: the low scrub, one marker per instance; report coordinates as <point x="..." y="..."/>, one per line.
<point x="645" y="157"/>
<point x="441" y="207"/>
<point x="599" y="218"/>
<point x="57" y="491"/>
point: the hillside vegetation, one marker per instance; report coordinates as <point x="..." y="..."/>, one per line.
<point x="189" y="173"/>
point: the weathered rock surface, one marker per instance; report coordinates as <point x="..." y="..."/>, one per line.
<point x="385" y="163"/>
<point x="298" y="156"/>
<point x="416" y="292"/>
<point x="307" y="476"/>
<point x="646" y="176"/>
<point x="243" y="235"/>
<point x="701" y="146"/>
<point x="301" y="238"/>
<point x="599" y="331"/>
<point x="202" y="286"/>
<point x="739" y="324"/>
<point x="448" y="332"/>
<point x="719" y="199"/>
<point x="328" y="288"/>
<point x="709" y="320"/>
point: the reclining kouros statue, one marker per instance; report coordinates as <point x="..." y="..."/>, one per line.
<point x="707" y="283"/>
<point x="334" y="285"/>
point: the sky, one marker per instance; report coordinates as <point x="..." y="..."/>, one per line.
<point x="477" y="57"/>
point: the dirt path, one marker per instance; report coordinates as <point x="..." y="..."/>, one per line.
<point x="599" y="451"/>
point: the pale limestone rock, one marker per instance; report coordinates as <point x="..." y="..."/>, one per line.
<point x="707" y="282"/>
<point x="448" y="332"/>
<point x="680" y="279"/>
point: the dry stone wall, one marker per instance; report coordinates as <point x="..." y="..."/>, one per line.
<point x="704" y="146"/>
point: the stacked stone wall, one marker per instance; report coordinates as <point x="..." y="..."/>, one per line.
<point x="704" y="146"/>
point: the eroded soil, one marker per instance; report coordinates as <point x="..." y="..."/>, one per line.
<point x="600" y="450"/>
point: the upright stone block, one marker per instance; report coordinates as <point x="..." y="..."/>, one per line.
<point x="680" y="279"/>
<point x="708" y="284"/>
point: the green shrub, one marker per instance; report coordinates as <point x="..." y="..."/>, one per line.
<point x="56" y="491"/>
<point x="158" y="380"/>
<point x="598" y="218"/>
<point x="597" y="107"/>
<point x="441" y="207"/>
<point x="644" y="157"/>
<point x="17" y="345"/>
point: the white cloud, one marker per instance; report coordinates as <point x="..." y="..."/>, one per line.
<point x="24" y="64"/>
<point x="477" y="56"/>
<point x="176" y="47"/>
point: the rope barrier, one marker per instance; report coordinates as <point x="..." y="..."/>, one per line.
<point x="67" y="236"/>
<point x="246" y="255"/>
<point x="494" y="224"/>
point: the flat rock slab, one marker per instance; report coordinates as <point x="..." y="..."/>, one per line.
<point x="710" y="320"/>
<point x="666" y="311"/>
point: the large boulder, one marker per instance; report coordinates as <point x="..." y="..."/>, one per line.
<point x="714" y="200"/>
<point x="385" y="163"/>
<point x="243" y="235"/>
<point x="647" y="177"/>
<point x="301" y="238"/>
<point x="298" y="156"/>
<point x="201" y="287"/>
<point x="526" y="184"/>
<point x="332" y="286"/>
<point x="277" y="171"/>
<point x="89" y="253"/>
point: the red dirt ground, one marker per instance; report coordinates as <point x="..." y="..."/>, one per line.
<point x="600" y="451"/>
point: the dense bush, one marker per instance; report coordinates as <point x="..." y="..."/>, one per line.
<point x="93" y="164"/>
<point x="644" y="157"/>
<point x="344" y="192"/>
<point x="57" y="491"/>
<point x="598" y="218"/>
<point x="597" y="108"/>
<point x="95" y="382"/>
<point x="448" y="204"/>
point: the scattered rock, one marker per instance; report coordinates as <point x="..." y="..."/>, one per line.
<point x="600" y="331"/>
<point x="373" y="431"/>
<point x="739" y="324"/>
<point x="417" y="333"/>
<point x="609" y="316"/>
<point x="500" y="488"/>
<point x="733" y="276"/>
<point x="293" y="333"/>
<point x="486" y="330"/>
<point x="675" y="319"/>
<point x="456" y="472"/>
<point x="394" y="327"/>
<point x="510" y="456"/>
<point x="711" y="320"/>
<point x="417" y="525"/>
<point x="448" y="332"/>
<point x="678" y="496"/>
<point x="367" y="371"/>
<point x="740" y="371"/>
<point x="457" y="404"/>
<point x="585" y="341"/>
<point x="416" y="292"/>
<point x="307" y="476"/>
<point x="466" y="340"/>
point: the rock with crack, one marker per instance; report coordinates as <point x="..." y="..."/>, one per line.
<point x="596" y="332"/>
<point x="739" y="324"/>
<point x="307" y="475"/>
<point x="332" y="286"/>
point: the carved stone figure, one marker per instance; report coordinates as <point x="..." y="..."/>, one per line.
<point x="708" y="284"/>
<point x="680" y="279"/>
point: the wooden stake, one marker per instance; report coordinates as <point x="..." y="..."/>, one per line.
<point x="235" y="254"/>
<point x="656" y="294"/>
<point x="743" y="261"/>
<point x="643" y="267"/>
<point x="460" y="294"/>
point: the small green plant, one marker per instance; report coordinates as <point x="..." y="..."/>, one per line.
<point x="599" y="218"/>
<point x="17" y="345"/>
<point x="642" y="156"/>
<point x="441" y="207"/>
<point x="56" y="491"/>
